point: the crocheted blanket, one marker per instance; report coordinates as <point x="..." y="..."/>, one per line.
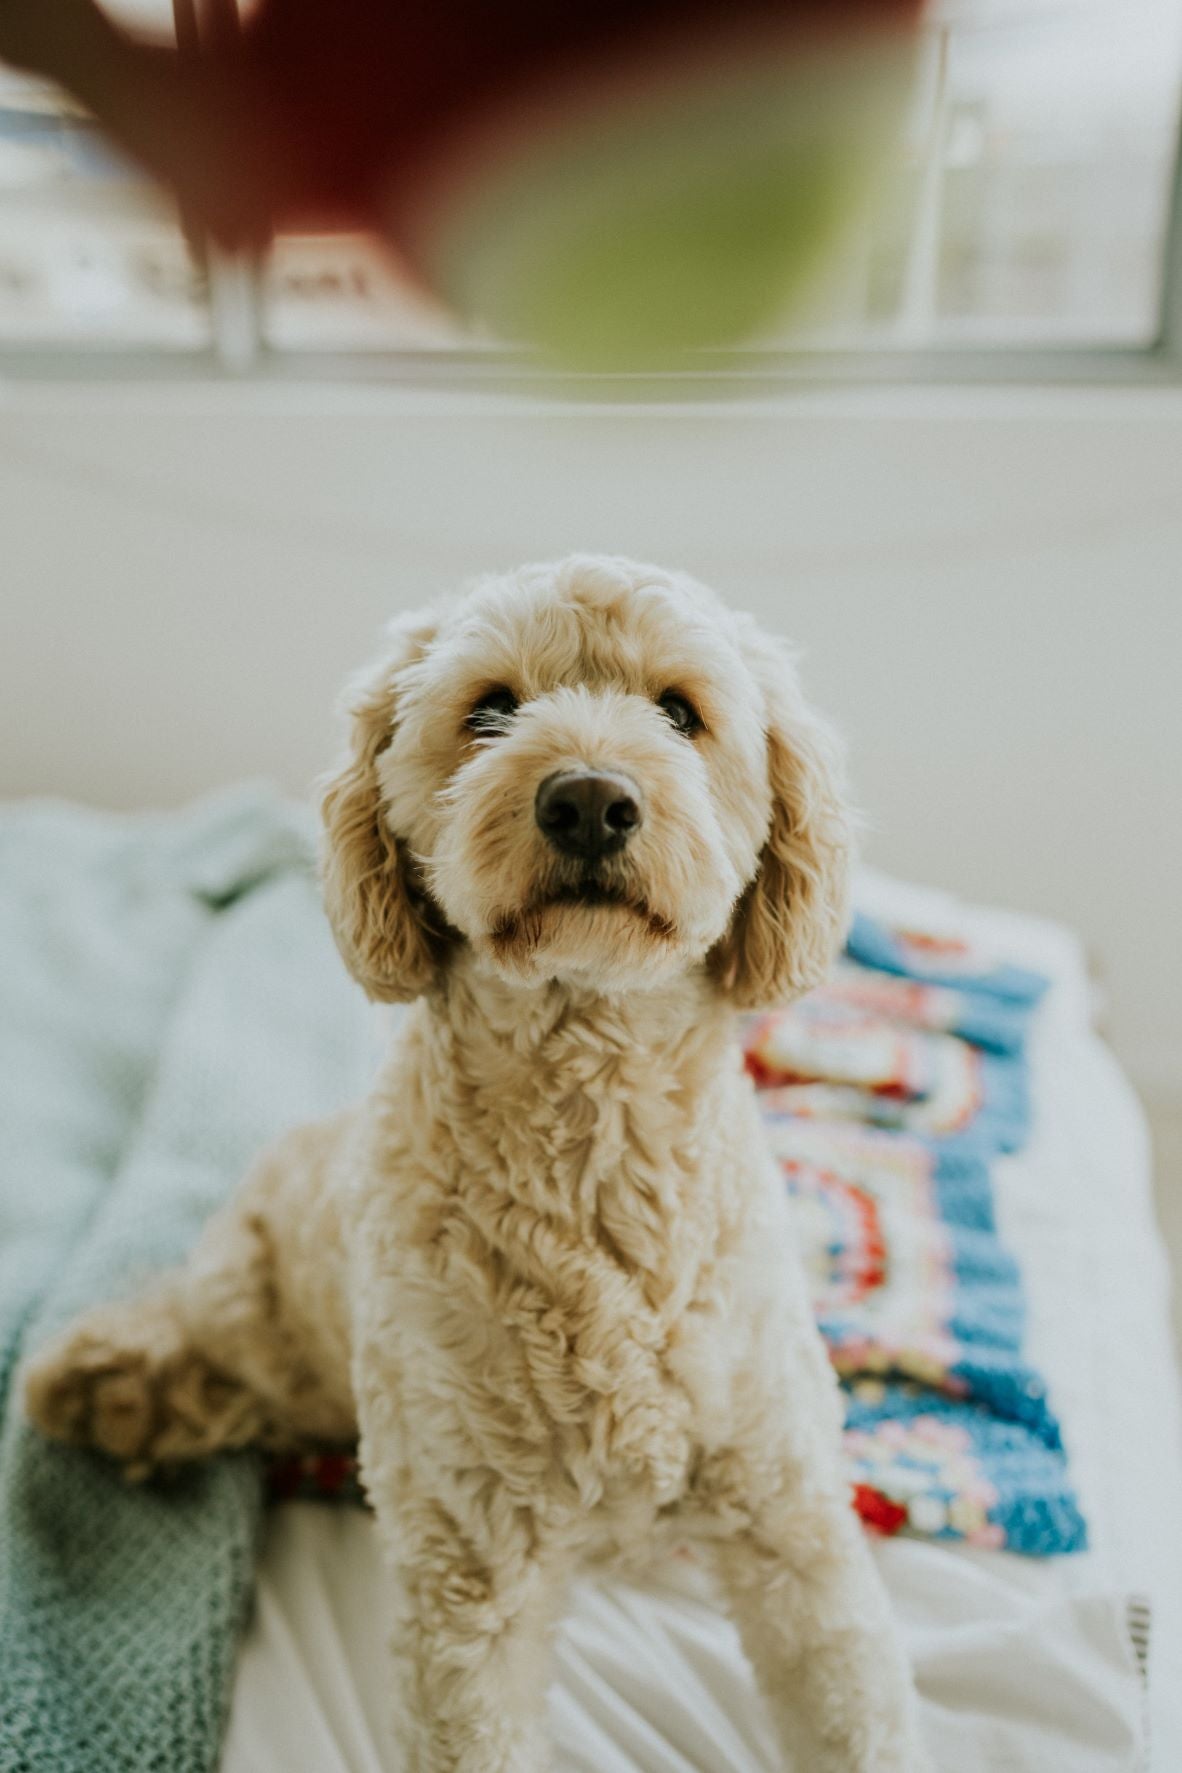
<point x="172" y="999"/>
<point x="885" y="1094"/>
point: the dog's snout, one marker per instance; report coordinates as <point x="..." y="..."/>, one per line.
<point x="587" y="813"/>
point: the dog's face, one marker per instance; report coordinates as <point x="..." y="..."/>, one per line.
<point x="593" y="773"/>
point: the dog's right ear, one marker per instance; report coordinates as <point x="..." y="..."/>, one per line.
<point x="379" y="914"/>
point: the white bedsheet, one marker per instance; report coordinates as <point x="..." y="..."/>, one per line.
<point x="1023" y="1666"/>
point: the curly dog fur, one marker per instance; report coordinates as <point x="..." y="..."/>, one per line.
<point x="545" y="1271"/>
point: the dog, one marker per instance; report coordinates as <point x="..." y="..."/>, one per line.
<point x="544" y="1273"/>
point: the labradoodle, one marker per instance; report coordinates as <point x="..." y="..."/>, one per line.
<point x="545" y="1271"/>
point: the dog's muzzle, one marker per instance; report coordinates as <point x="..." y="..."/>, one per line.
<point x="588" y="813"/>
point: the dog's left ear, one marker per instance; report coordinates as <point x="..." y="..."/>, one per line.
<point x="380" y="916"/>
<point x="792" y="917"/>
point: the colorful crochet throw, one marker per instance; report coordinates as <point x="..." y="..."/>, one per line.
<point x="886" y="1092"/>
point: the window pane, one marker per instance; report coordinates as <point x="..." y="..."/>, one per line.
<point x="1030" y="208"/>
<point x="1032" y="204"/>
<point x="325" y="292"/>
<point x="89" y="255"/>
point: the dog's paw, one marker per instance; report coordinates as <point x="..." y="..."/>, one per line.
<point x="124" y="1381"/>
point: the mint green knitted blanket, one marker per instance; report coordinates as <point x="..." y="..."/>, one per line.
<point x="156" y="976"/>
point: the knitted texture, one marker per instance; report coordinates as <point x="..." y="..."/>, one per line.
<point x="156" y="1031"/>
<point x="887" y="1093"/>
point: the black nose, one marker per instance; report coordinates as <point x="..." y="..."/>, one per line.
<point x="587" y="813"/>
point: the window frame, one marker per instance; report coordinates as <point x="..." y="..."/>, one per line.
<point x="238" y="350"/>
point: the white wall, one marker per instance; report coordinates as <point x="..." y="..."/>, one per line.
<point x="986" y="586"/>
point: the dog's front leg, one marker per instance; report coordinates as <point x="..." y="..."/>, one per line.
<point x="471" y="1645"/>
<point x="477" y="1597"/>
<point x="816" y="1622"/>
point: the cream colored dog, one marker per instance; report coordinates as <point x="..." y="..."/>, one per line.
<point x="546" y="1268"/>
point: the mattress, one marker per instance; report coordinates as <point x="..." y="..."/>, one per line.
<point x="1024" y="1666"/>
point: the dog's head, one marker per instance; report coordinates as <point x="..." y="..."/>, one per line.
<point x="590" y="772"/>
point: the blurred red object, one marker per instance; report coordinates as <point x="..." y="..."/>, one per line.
<point x="325" y="113"/>
<point x="615" y="182"/>
<point x="880" y="1513"/>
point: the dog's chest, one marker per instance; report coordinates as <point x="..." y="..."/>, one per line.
<point x="574" y="1249"/>
<point x="551" y="1257"/>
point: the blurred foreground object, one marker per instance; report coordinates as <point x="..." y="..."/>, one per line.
<point x="616" y="183"/>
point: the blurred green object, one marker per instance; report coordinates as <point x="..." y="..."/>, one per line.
<point x="618" y="182"/>
<point x="628" y="237"/>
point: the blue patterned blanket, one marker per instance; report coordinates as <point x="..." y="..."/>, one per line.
<point x="887" y="1094"/>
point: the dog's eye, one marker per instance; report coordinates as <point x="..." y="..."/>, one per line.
<point x="492" y="711"/>
<point x="682" y="714"/>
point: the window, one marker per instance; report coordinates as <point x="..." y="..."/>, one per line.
<point x="1031" y="214"/>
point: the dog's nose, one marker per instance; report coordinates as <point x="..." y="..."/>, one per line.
<point x="587" y="813"/>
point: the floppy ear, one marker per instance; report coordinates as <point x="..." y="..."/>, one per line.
<point x="380" y="916"/>
<point x="792" y="917"/>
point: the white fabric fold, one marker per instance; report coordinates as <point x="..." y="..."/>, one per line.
<point x="1014" y="1675"/>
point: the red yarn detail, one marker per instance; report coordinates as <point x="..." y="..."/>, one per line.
<point x="877" y="1510"/>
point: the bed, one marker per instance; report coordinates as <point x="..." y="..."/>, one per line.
<point x="1025" y="1666"/>
<point x="158" y="976"/>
